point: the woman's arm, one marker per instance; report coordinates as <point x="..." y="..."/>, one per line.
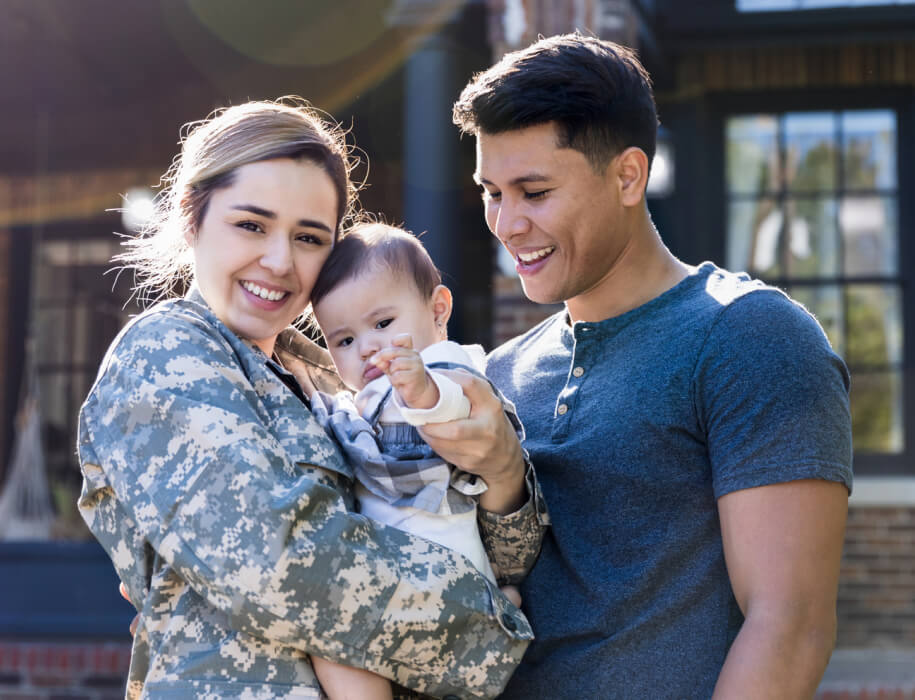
<point x="178" y="435"/>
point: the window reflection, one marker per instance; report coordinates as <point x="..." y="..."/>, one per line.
<point x="822" y="222"/>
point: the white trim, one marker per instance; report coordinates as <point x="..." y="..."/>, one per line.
<point x="883" y="491"/>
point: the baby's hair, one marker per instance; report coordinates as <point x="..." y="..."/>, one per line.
<point x="368" y="245"/>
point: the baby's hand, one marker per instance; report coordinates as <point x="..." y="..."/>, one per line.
<point x="407" y="372"/>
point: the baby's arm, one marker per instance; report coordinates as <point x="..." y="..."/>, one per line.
<point x="407" y="372"/>
<point x="347" y="683"/>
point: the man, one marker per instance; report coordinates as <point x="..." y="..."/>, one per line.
<point x="689" y="426"/>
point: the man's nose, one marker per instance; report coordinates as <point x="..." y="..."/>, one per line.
<point x="510" y="221"/>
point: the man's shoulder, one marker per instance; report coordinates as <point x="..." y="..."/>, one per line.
<point x="737" y="299"/>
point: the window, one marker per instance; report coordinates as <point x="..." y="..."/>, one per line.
<point x="812" y="207"/>
<point x="77" y="315"/>
<point x="788" y="5"/>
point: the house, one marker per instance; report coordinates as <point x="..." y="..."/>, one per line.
<point x="788" y="145"/>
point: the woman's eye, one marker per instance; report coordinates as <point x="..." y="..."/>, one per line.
<point x="384" y="323"/>
<point x="490" y="196"/>
<point x="310" y="238"/>
<point x="250" y="226"/>
<point x="535" y="195"/>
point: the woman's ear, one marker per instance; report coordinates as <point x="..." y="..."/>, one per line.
<point x="441" y="308"/>
<point x="632" y="171"/>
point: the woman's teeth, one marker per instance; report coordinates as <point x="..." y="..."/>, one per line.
<point x="536" y="255"/>
<point x="263" y="293"/>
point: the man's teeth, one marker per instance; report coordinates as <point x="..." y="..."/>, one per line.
<point x="536" y="255"/>
<point x="263" y="293"/>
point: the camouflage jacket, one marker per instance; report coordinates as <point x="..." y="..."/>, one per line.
<point x="227" y="513"/>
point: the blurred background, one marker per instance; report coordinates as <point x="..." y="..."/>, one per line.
<point x="787" y="149"/>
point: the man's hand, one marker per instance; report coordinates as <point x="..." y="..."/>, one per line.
<point x="407" y="372"/>
<point x="484" y="444"/>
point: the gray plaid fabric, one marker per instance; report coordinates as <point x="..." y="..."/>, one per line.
<point x="393" y="462"/>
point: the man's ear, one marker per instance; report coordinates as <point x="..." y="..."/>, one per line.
<point x="632" y="174"/>
<point x="441" y="307"/>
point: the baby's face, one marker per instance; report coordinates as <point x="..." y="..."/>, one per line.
<point x="362" y="315"/>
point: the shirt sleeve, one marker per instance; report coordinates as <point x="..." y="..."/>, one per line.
<point x="772" y="397"/>
<point x="174" y="435"/>
<point x="513" y="541"/>
<point x="452" y="404"/>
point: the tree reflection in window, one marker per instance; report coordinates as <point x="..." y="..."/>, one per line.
<point x="812" y="207"/>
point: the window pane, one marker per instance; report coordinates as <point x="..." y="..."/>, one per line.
<point x="53" y="345"/>
<point x="874" y="326"/>
<point x="869" y="231"/>
<point x="869" y="150"/>
<point x="752" y="155"/>
<point x="812" y="239"/>
<point x="876" y="411"/>
<point x="754" y="231"/>
<point x="810" y="144"/>
<point x="825" y="303"/>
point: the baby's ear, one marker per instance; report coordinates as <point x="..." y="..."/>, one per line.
<point x="441" y="308"/>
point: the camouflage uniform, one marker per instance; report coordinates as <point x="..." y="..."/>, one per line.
<point x="227" y="513"/>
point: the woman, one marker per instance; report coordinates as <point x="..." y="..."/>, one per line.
<point x="225" y="508"/>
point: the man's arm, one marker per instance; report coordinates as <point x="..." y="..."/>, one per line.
<point x="512" y="516"/>
<point x="782" y="545"/>
<point x="484" y="444"/>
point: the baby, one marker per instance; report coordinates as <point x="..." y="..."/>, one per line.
<point x="383" y="311"/>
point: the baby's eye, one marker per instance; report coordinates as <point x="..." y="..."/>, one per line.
<point x="344" y="342"/>
<point x="384" y="323"/>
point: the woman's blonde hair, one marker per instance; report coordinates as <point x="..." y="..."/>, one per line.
<point x="211" y="151"/>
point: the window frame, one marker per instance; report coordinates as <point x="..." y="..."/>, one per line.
<point x="901" y="101"/>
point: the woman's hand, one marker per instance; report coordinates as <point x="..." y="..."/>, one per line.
<point x="135" y="622"/>
<point x="484" y="444"/>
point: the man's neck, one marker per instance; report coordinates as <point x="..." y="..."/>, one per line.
<point x="645" y="270"/>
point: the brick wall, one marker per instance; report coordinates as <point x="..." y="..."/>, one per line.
<point x="513" y="313"/>
<point x="877" y="585"/>
<point x="56" y="671"/>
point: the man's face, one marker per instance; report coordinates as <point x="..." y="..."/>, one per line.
<point x="556" y="216"/>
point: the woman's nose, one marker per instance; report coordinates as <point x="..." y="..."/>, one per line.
<point x="277" y="256"/>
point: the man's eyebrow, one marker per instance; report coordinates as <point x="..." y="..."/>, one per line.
<point x="520" y="180"/>
<point x="267" y="214"/>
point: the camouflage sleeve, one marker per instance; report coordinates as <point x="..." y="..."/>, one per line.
<point x="176" y="435"/>
<point x="513" y="541"/>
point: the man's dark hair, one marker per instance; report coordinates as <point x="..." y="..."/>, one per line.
<point x="596" y="92"/>
<point x="369" y="245"/>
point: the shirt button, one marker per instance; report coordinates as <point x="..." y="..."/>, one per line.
<point x="578" y="371"/>
<point x="509" y="622"/>
<point x="562" y="409"/>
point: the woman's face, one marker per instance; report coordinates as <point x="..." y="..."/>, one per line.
<point x="261" y="244"/>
